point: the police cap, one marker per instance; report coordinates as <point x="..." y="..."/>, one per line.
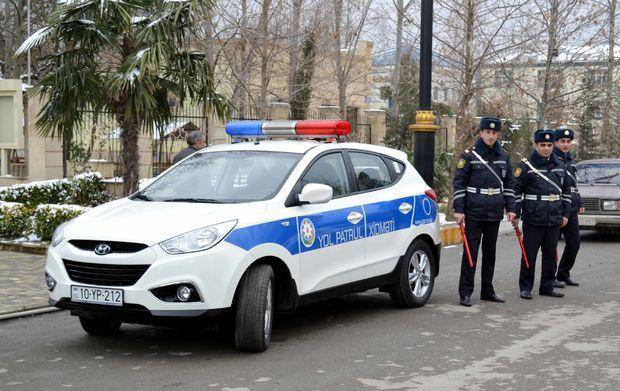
<point x="491" y="123"/>
<point x="564" y="133"/>
<point x="544" y="136"/>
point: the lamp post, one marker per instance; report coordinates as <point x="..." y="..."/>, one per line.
<point x="424" y="128"/>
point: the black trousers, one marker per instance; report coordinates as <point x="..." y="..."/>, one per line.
<point x="475" y="231"/>
<point x="573" y="242"/>
<point x="537" y="237"/>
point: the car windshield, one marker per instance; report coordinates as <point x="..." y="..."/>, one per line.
<point x="598" y="173"/>
<point x="223" y="177"/>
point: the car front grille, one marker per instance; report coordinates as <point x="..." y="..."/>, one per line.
<point x="591" y="204"/>
<point x="104" y="274"/>
<point x="115" y="247"/>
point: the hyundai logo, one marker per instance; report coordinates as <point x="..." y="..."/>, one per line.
<point x="102" y="249"/>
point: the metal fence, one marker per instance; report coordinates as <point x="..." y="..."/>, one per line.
<point x="100" y="137"/>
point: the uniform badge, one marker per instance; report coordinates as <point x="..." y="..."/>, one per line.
<point x="566" y="132"/>
<point x="518" y="171"/>
<point x="492" y="125"/>
<point x="503" y="173"/>
<point x="461" y="163"/>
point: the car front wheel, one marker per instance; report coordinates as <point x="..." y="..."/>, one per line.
<point x="254" y="312"/>
<point x="416" y="276"/>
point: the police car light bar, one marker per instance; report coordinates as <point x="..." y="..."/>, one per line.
<point x="261" y="129"/>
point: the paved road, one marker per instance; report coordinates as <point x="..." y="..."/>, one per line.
<point x="359" y="342"/>
<point x="22" y="285"/>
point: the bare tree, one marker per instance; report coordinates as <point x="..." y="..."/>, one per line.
<point x="608" y="135"/>
<point x="469" y="33"/>
<point x="348" y="23"/>
<point x="562" y="36"/>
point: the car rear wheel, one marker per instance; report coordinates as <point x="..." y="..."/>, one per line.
<point x="416" y="276"/>
<point x="100" y="326"/>
<point x="254" y="312"/>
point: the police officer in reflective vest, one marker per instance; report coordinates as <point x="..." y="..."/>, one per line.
<point x="563" y="143"/>
<point x="483" y="188"/>
<point x="544" y="202"/>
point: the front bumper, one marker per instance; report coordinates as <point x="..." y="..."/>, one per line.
<point x="214" y="273"/>
<point x="594" y="221"/>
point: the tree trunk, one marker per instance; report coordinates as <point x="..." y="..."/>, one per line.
<point x="20" y="36"/>
<point x="462" y="127"/>
<point x="263" y="29"/>
<point x="552" y="51"/>
<point x="130" y="156"/>
<point x="243" y="67"/>
<point x="607" y="132"/>
<point x="293" y="51"/>
<point x="340" y="72"/>
<point x="394" y="109"/>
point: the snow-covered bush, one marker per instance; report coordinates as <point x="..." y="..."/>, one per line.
<point x="88" y="189"/>
<point x="14" y="219"/>
<point x="85" y="189"/>
<point x="47" y="217"/>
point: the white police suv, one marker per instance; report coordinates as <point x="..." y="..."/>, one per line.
<point x="251" y="228"/>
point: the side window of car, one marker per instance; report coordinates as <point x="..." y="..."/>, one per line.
<point x="370" y="170"/>
<point x="399" y="168"/>
<point x="329" y="170"/>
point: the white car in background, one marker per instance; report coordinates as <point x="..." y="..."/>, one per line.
<point x="251" y="228"/>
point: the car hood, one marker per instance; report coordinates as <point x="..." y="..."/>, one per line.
<point x="149" y="223"/>
<point x="599" y="190"/>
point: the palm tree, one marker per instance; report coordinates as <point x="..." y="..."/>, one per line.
<point x="127" y="57"/>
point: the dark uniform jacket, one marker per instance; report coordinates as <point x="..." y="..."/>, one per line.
<point x="571" y="170"/>
<point x="183" y="154"/>
<point x="474" y="183"/>
<point x="530" y="185"/>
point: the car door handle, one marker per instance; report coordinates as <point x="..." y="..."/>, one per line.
<point x="405" y="208"/>
<point x="355" y="217"/>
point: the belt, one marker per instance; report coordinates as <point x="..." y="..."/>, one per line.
<point x="490" y="191"/>
<point x="534" y="197"/>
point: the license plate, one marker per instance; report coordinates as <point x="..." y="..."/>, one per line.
<point x="586" y="221"/>
<point x="94" y="295"/>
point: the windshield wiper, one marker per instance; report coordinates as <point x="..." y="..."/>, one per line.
<point x="194" y="200"/>
<point x="608" y="177"/>
<point x="142" y="197"/>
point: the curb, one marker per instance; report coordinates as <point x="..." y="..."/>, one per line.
<point x="21" y="314"/>
<point x="29" y="248"/>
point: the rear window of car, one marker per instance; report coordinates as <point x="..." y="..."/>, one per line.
<point x="371" y="171"/>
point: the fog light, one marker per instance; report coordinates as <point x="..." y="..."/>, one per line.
<point x="50" y="283"/>
<point x="183" y="293"/>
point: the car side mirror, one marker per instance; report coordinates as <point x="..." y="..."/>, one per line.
<point x="316" y="193"/>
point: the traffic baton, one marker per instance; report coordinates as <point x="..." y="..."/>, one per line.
<point x="466" y="245"/>
<point x="520" y="239"/>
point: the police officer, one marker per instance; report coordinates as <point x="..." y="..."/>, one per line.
<point x="563" y="143"/>
<point x="483" y="188"/>
<point x="543" y="202"/>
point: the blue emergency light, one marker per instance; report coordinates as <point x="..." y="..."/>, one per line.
<point x="307" y="128"/>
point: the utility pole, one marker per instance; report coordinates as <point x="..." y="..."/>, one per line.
<point x="424" y="129"/>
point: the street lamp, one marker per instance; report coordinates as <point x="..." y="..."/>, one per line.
<point x="424" y="129"/>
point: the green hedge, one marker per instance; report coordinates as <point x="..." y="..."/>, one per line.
<point x="47" y="217"/>
<point x="85" y="189"/>
<point x="14" y="220"/>
<point x="18" y="220"/>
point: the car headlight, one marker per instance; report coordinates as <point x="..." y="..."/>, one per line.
<point x="59" y="234"/>
<point x="611" y="205"/>
<point x="199" y="239"/>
